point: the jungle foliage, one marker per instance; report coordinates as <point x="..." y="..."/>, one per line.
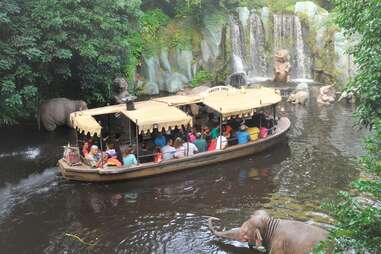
<point x="60" y="48"/>
<point x="75" y="48"/>
<point x="358" y="213"/>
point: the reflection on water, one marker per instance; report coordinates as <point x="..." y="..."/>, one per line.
<point x="168" y="214"/>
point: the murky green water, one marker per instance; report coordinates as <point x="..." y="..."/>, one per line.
<point x="168" y="214"/>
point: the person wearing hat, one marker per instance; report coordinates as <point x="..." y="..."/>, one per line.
<point x="200" y="143"/>
<point x="242" y="135"/>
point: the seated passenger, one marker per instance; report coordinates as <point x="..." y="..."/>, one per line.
<point x="85" y="148"/>
<point x="145" y="155"/>
<point x="168" y="150"/>
<point x="228" y="131"/>
<point x="109" y="161"/>
<point x="93" y="156"/>
<point x="214" y="133"/>
<point x="180" y="151"/>
<point x="200" y="143"/>
<point x="110" y="150"/>
<point x="190" y="149"/>
<point x="159" y="140"/>
<point x="212" y="145"/>
<point x="129" y="158"/>
<point x="242" y="135"/>
<point x="221" y="142"/>
<point x="192" y="136"/>
<point x="158" y="156"/>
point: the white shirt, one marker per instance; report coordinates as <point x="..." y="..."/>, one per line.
<point x="224" y="142"/>
<point x="192" y="148"/>
<point x="168" y="152"/>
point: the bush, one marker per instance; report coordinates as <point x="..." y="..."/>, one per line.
<point x="201" y="77"/>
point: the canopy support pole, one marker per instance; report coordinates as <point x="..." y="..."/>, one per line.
<point x="274" y="113"/>
<point x="101" y="145"/>
<point x="76" y="138"/>
<point x="220" y="129"/>
<point x="187" y="133"/>
<point x="129" y="131"/>
<point x="137" y="141"/>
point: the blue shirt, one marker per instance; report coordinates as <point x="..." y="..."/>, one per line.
<point x="160" y="141"/>
<point x="243" y="137"/>
<point x="129" y="160"/>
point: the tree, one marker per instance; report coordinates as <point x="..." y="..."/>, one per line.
<point x="358" y="217"/>
<point x="61" y="48"/>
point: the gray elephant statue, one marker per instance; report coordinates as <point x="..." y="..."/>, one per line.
<point x="56" y="112"/>
<point x="119" y="90"/>
<point x="265" y="233"/>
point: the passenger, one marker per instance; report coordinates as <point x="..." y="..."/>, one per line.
<point x="180" y="151"/>
<point x="109" y="161"/>
<point x="158" y="156"/>
<point x="190" y="149"/>
<point x="214" y="133"/>
<point x="200" y="143"/>
<point x="93" y="156"/>
<point x="85" y="148"/>
<point x="228" y="131"/>
<point x="129" y="158"/>
<point x="110" y="150"/>
<point x="102" y="162"/>
<point x="212" y="146"/>
<point x="192" y="135"/>
<point x="221" y="142"/>
<point x="168" y="150"/>
<point x="206" y="133"/>
<point x="159" y="140"/>
<point x="242" y="135"/>
<point x="145" y="155"/>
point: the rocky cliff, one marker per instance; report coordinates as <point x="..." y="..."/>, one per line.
<point x="244" y="41"/>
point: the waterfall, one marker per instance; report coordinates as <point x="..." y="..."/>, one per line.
<point x="237" y="43"/>
<point x="288" y="35"/>
<point x="257" y="47"/>
<point x="303" y="61"/>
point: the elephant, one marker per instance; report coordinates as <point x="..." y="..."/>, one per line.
<point x="56" y="112"/>
<point x="299" y="97"/>
<point x="276" y="236"/>
<point x="282" y="66"/>
<point x="327" y="95"/>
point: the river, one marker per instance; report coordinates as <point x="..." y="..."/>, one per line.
<point x="168" y="213"/>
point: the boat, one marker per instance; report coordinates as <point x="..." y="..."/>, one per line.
<point x="148" y="115"/>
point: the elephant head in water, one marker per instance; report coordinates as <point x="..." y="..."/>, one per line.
<point x="56" y="112"/>
<point x="276" y="235"/>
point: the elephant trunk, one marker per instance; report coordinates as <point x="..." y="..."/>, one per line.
<point x="232" y="234"/>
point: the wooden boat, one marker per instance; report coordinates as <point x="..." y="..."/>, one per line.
<point x="83" y="122"/>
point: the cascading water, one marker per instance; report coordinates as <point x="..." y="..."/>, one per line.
<point x="288" y="35"/>
<point x="303" y="61"/>
<point x="257" y="48"/>
<point x="237" y="43"/>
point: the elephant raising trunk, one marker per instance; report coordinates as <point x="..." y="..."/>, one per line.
<point x="233" y="234"/>
<point x="276" y="235"/>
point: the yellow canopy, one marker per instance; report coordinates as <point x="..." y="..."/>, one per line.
<point x="150" y="114"/>
<point x="241" y="102"/>
<point x="179" y="100"/>
<point x="162" y="113"/>
<point x="84" y="122"/>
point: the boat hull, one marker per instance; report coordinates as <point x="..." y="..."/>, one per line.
<point x="85" y="173"/>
